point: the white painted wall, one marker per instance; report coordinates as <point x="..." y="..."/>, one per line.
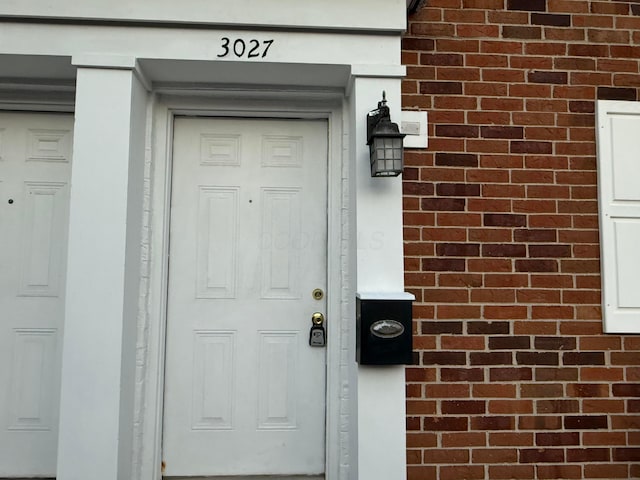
<point x="97" y="392"/>
<point x="380" y="268"/>
<point x="331" y="14"/>
<point x="351" y="51"/>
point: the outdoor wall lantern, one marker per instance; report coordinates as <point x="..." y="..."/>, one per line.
<point x="385" y="142"/>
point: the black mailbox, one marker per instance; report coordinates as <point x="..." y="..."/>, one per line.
<point x="383" y="328"/>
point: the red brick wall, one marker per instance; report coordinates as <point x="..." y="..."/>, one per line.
<point x="514" y="377"/>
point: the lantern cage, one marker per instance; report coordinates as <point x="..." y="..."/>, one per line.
<point x="385" y="141"/>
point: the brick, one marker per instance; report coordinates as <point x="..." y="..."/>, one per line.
<point x="446" y="456"/>
<point x="596" y="405"/>
<point x="504" y="250"/>
<point x="460" y="280"/>
<point x="511" y="406"/>
<point x="512" y="31"/>
<point x="578" y="106"/>
<point x="583" y="358"/>
<point x="541" y="390"/>
<point x="506" y="280"/>
<point x="490" y="234"/>
<point x="554" y="439"/>
<point x="466" y="439"/>
<point x="457" y="159"/>
<point x="556" y="374"/>
<point x="586" y="422"/>
<point x="439" y="327"/>
<point x="458" y="249"/>
<point x="414" y="457"/>
<point x="443" y="59"/>
<point x="542" y="455"/>
<point x="441" y="88"/>
<point x="588" y="390"/>
<point x="494" y="390"/>
<point x="458" y="189"/>
<point x="564" y="471"/>
<point x="604" y="438"/>
<point x="421" y="439"/>
<point x="536" y="266"/>
<point x="541" y="422"/>
<point x="440" y="295"/>
<point x="555" y="343"/>
<point x="464" y="407"/>
<point x="443" y="204"/>
<point x="493" y="295"/>
<point x="510" y="374"/>
<point x="510" y="439"/>
<point x="612" y="93"/>
<point x="417" y="188"/>
<point x="501" y="132"/>
<point x="552" y="19"/>
<point x="490" y="358"/>
<point x="499" y="472"/>
<point x="504" y="220"/>
<point x="458" y="472"/>
<point x="549" y="251"/>
<point x="493" y="423"/>
<point x="551" y="281"/>
<point x="527" y="5"/>
<point x="626" y="454"/>
<point x="444" y="358"/>
<point x="466" y="131"/>
<point x="494" y="455"/>
<point x="445" y="424"/>
<point x="579" y="50"/>
<point x="421" y="472"/>
<point x="443" y="234"/>
<point x="626" y="389"/>
<point x="461" y="374"/>
<point x="459" y="342"/>
<point x="548" y="77"/>
<point x="606" y="471"/>
<point x="502" y="312"/>
<point x="445" y="219"/>
<point x="537" y="358"/>
<point x="488" y="328"/>
<point x="531" y="147"/>
<point x="447" y="391"/>
<point x="510" y="343"/>
<point x="421" y="44"/>
<point x="535" y="235"/>
<point x="607" y="36"/>
<point x="557" y="406"/>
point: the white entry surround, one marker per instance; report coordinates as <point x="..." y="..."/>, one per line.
<point x="133" y="70"/>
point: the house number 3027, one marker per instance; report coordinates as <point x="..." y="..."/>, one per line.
<point x="242" y="48"/>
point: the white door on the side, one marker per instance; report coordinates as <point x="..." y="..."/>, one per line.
<point x="35" y="165"/>
<point x="245" y="392"/>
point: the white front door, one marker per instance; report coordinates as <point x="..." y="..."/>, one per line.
<point x="244" y="390"/>
<point x="35" y="165"/>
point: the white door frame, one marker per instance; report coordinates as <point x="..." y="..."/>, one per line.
<point x="340" y="289"/>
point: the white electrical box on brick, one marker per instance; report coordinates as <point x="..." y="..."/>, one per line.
<point x="414" y="126"/>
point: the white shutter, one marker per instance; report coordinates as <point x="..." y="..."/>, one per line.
<point x="618" y="132"/>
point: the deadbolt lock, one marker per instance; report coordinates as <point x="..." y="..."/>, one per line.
<point x="317" y="294"/>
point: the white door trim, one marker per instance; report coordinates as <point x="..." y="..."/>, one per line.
<point x="340" y="289"/>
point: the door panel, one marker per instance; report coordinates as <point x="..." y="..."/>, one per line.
<point x="35" y="163"/>
<point x="245" y="393"/>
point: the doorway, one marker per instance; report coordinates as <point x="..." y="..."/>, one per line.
<point x="244" y="389"/>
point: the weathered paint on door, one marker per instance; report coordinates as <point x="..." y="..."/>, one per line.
<point x="245" y="393"/>
<point x="35" y="166"/>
